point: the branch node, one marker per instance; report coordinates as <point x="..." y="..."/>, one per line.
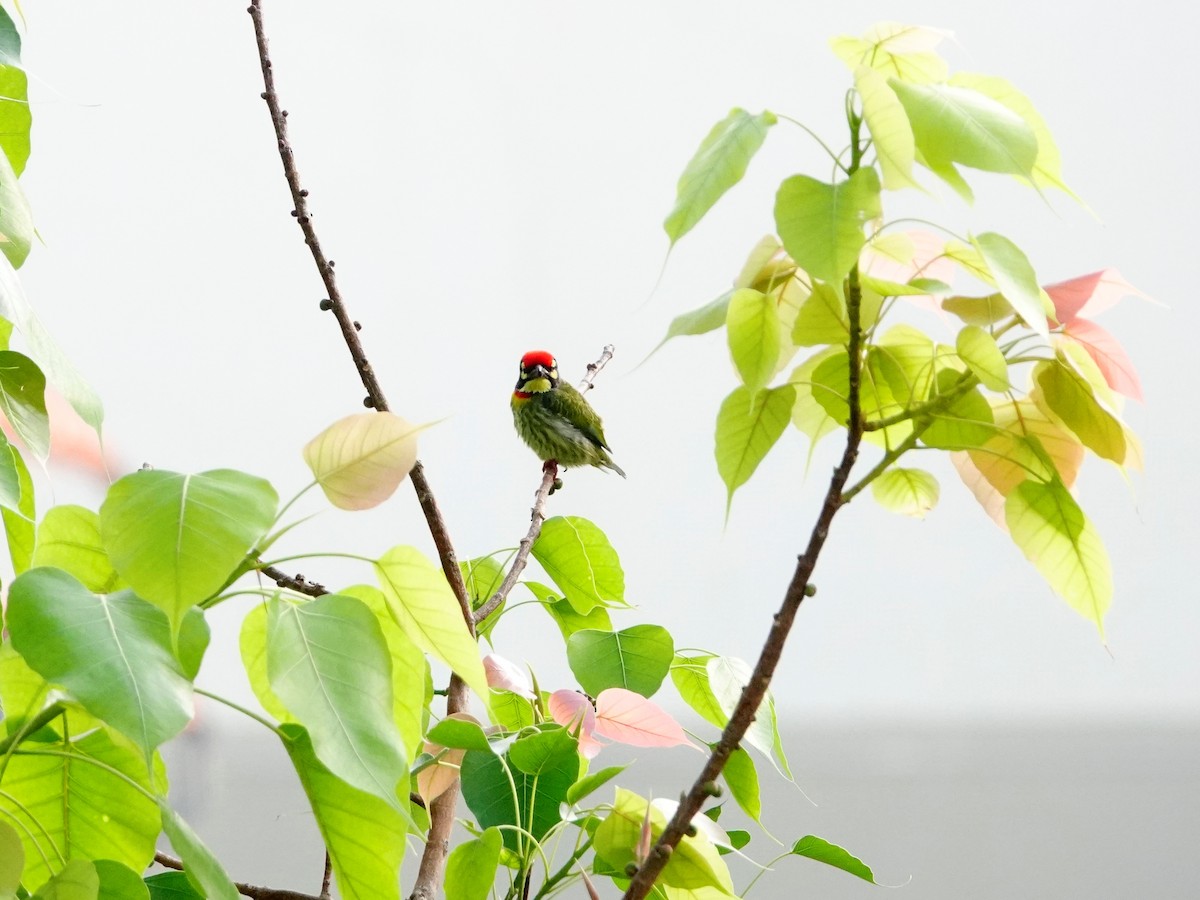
<point x="631" y="869"/>
<point x="326" y="305"/>
<point x="713" y="789"/>
<point x="357" y="325"/>
<point x="369" y="402"/>
<point x="810" y="590"/>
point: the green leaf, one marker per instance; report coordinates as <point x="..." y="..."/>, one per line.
<point x="689" y="674"/>
<point x="472" y="865"/>
<point x="57" y="800"/>
<point x="888" y="124"/>
<point x="915" y="363"/>
<point x="727" y="676"/>
<point x="18" y="523"/>
<point x="23" y="400"/>
<point x="511" y="711"/>
<point x="636" y="658"/>
<point x="579" y="559"/>
<point x="459" y="733"/>
<point x="482" y="577"/>
<point x="15" y="308"/>
<point x="16" y="219"/>
<point x="821" y="225"/>
<point x="979" y="310"/>
<point x="328" y="662"/>
<point x="965" y="424"/>
<point x="822" y="318"/>
<point x="894" y="48"/>
<point x="77" y="880"/>
<point x="360" y="460"/>
<point x="176" y="539"/>
<point x="15" y="117"/>
<point x="719" y="164"/>
<point x="589" y="783"/>
<point x="1066" y="394"/>
<point x="68" y="538"/>
<point x="564" y="614"/>
<point x="1016" y="279"/>
<point x="252" y="644"/>
<point x="978" y="349"/>
<point x="119" y="882"/>
<point x="742" y="777"/>
<point x="540" y="797"/>
<point x="808" y="415"/>
<point x="958" y="125"/>
<point x="694" y="865"/>
<point x="364" y="835"/>
<point x="910" y="492"/>
<point x="1047" y="166"/>
<point x="748" y="425"/>
<point x="753" y="328"/>
<point x="1054" y="534"/>
<point x="203" y="869"/>
<point x="171" y="886"/>
<point x="411" y="683"/>
<point x="423" y="605"/>
<point x="821" y="850"/>
<point x="111" y="652"/>
<point x="708" y="317"/>
<point x="12" y="860"/>
<point x="10" y="478"/>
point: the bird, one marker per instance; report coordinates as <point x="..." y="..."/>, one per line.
<point x="555" y="420"/>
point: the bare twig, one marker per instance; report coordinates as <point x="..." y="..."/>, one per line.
<point x="327" y="877"/>
<point x="537" y="515"/>
<point x="457" y="698"/>
<point x="756" y="689"/>
<point x="246" y="890"/>
<point x="297" y="583"/>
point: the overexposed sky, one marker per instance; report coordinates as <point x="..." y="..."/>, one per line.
<point x="492" y="178"/>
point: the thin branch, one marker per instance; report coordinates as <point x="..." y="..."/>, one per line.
<point x="537" y="515"/>
<point x="246" y="890"/>
<point x="457" y="699"/>
<point x="327" y="877"/>
<point x="297" y="583"/>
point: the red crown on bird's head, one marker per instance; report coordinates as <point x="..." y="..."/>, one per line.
<point x="538" y="358"/>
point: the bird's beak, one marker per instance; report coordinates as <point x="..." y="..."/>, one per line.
<point x="538" y="372"/>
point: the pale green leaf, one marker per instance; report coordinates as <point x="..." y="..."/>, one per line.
<point x="888" y="124"/>
<point x="748" y="425"/>
<point x="727" y="676"/>
<point x="742" y="777"/>
<point x="752" y="326"/>
<point x="821" y="850"/>
<point x="471" y="867"/>
<point x="708" y="317"/>
<point x="578" y="557"/>
<point x="360" y="460"/>
<point x="15" y="117"/>
<point x="328" y="663"/>
<point x="821" y="225"/>
<point x="966" y="422"/>
<point x="68" y="537"/>
<point x="12" y="860"/>
<point x="18" y="523"/>
<point x="979" y="310"/>
<point x="10" y="476"/>
<point x="564" y="614"/>
<point x="54" y="800"/>
<point x="1067" y="395"/>
<point x="977" y="348"/>
<point x="910" y="492"/>
<point x="689" y="674"/>
<point x="916" y="363"/>
<point x="23" y="401"/>
<point x="252" y="644"/>
<point x="112" y="652"/>
<point x="77" y="880"/>
<point x="202" y="868"/>
<point x="956" y="125"/>
<point x="636" y="658"/>
<point x="1053" y="533"/>
<point x="423" y="605"/>
<point x="15" y="308"/>
<point x="718" y="164"/>
<point x="822" y="318"/>
<point x="1016" y="279"/>
<point x="16" y="219"/>
<point x="897" y="50"/>
<point x="808" y="415"/>
<point x="364" y="835"/>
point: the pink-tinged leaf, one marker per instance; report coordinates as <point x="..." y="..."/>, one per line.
<point x="632" y="719"/>
<point x="1090" y="294"/>
<point x="503" y="675"/>
<point x="1110" y="357"/>
<point x="902" y="256"/>
<point x="570" y="709"/>
<point x="989" y="498"/>
<point x="434" y="779"/>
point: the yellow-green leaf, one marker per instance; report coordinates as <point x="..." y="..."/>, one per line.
<point x="1053" y="533"/>
<point x="422" y="603"/>
<point x="910" y="492"/>
<point x="748" y="425"/>
<point x="1065" y="393"/>
<point x="752" y="326"/>
<point x="978" y="349"/>
<point x="360" y="460"/>
<point x="821" y="224"/>
<point x="888" y="124"/>
<point x="68" y="537"/>
<point x="1016" y="279"/>
<point x="808" y="414"/>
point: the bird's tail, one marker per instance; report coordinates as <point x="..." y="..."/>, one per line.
<point x="607" y="463"/>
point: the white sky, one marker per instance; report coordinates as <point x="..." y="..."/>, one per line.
<point x="492" y="178"/>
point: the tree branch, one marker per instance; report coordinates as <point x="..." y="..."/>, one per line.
<point x="297" y="583"/>
<point x="756" y="689"/>
<point x="246" y="890"/>
<point x="457" y="698"/>
<point x="537" y="515"/>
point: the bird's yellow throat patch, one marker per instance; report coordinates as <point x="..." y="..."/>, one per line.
<point x="536" y="386"/>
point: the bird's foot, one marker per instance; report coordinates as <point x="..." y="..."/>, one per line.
<point x="550" y="467"/>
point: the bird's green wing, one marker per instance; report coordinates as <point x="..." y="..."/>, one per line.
<point x="567" y="402"/>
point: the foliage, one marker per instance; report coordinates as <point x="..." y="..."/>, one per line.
<point x="106" y="619"/>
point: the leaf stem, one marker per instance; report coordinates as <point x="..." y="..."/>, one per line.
<point x="243" y="710"/>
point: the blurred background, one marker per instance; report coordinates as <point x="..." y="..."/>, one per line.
<point x="493" y="178"/>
